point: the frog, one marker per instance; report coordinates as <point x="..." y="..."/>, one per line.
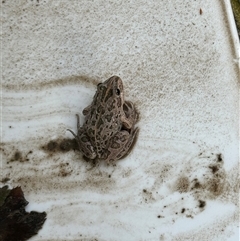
<point x="109" y="132"/>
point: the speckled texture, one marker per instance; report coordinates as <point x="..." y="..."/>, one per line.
<point x="179" y="66"/>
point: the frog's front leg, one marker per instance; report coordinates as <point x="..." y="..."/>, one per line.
<point x="87" y="110"/>
<point x="83" y="141"/>
<point x="121" y="144"/>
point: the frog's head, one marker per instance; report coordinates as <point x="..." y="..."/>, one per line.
<point x="112" y="90"/>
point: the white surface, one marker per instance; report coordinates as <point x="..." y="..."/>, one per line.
<point x="179" y="67"/>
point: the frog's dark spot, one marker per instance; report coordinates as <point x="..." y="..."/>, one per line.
<point x="115" y="145"/>
<point x="123" y="138"/>
<point x="120" y="156"/>
<point x="119" y="102"/>
<point x="106" y="154"/>
<point x="202" y="204"/>
<point x="183" y="210"/>
<point x="99" y="109"/>
<point x="84" y="139"/>
<point x="109" y="95"/>
<point x="103" y="89"/>
<point x="214" y="169"/>
<point x="109" y="117"/>
<point x="99" y="123"/>
<point x="103" y="111"/>
<point x="91" y="132"/>
<point x="86" y="112"/>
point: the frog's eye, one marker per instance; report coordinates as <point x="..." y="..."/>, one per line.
<point x="100" y="86"/>
<point x="118" y="91"/>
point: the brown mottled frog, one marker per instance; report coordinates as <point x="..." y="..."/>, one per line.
<point x="109" y="130"/>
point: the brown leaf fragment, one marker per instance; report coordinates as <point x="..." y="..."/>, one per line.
<point x="15" y="223"/>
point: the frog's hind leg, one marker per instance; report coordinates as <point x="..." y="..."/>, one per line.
<point x="131" y="143"/>
<point x="83" y="141"/>
<point x="121" y="145"/>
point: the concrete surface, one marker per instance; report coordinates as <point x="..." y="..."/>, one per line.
<point x="179" y="65"/>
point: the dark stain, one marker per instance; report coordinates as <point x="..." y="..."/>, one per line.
<point x="202" y="204"/>
<point x="200" y="11"/>
<point x="183" y="210"/>
<point x="52" y="146"/>
<point x="5" y="179"/>
<point x="219" y="157"/>
<point x="182" y="184"/>
<point x="144" y="190"/>
<point x="215" y="187"/>
<point x="66" y="145"/>
<point x="159" y="216"/>
<point x="17" y="156"/>
<point x="214" y="169"/>
<point x="72" y="80"/>
<point x="64" y="170"/>
<point x="60" y="145"/>
<point x="109" y="176"/>
<point x="196" y="184"/>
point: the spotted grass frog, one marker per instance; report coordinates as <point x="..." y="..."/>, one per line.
<point x="109" y="131"/>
